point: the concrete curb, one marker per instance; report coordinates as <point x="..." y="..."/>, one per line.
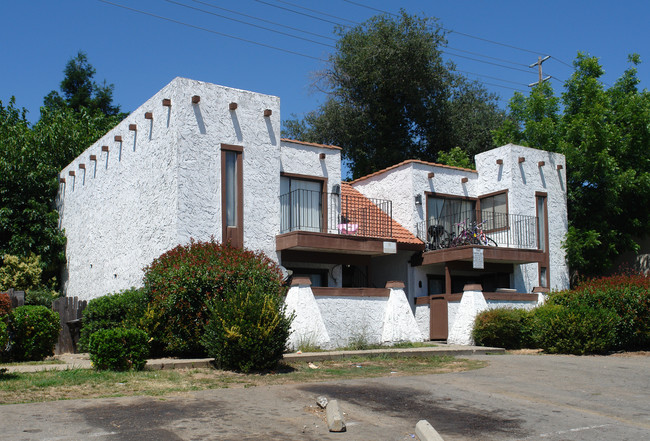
<point x="335" y="422"/>
<point x="426" y="432"/>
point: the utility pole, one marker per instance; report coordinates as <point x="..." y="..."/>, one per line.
<point x="539" y="62"/>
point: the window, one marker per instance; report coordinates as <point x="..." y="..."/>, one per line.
<point x="301" y="204"/>
<point x="494" y="211"/>
<point x="444" y="213"/>
<point x="232" y="195"/>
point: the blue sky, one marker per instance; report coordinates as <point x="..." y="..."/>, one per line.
<point x="139" y="53"/>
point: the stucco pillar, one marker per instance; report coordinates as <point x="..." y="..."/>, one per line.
<point x="470" y="305"/>
<point x="307" y="327"/>
<point x="399" y="321"/>
<point x="541" y="294"/>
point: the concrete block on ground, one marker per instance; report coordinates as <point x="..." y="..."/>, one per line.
<point x="335" y="421"/>
<point x="426" y="432"/>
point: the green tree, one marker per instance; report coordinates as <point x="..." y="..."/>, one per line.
<point x="605" y="136"/>
<point x="30" y="161"/>
<point x="81" y="91"/>
<point x="391" y="97"/>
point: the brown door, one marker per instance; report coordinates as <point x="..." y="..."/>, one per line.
<point x="232" y="195"/>
<point x="438" y="318"/>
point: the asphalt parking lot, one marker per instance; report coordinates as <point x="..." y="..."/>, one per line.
<point x="517" y="397"/>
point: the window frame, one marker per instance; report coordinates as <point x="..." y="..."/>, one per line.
<point x="479" y="210"/>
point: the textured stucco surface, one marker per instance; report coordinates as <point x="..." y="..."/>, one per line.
<point x="422" y="318"/>
<point x="399" y="321"/>
<point x="307" y="326"/>
<point x="460" y="331"/>
<point x="352" y="318"/>
<point x="161" y="186"/>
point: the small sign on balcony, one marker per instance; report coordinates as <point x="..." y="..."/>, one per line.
<point x="477" y="261"/>
<point x="390" y="248"/>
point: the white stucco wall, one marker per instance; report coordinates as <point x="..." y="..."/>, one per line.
<point x="349" y="318"/>
<point x="307" y="327"/>
<point x="161" y="185"/>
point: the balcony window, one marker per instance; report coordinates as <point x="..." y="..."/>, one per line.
<point x="494" y="211"/>
<point x="301" y="204"/>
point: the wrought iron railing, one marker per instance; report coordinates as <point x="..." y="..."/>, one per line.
<point x="308" y="210"/>
<point x="503" y="230"/>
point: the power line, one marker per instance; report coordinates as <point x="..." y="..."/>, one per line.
<point x="488" y="62"/>
<point x="249" y="24"/>
<point x="264" y="20"/>
<point x="488" y="76"/>
<point x="317" y="12"/>
<point x="210" y="30"/>
<point x="301" y="13"/>
<point x="487" y="56"/>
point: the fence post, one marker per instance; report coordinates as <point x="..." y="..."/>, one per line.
<point x="70" y="310"/>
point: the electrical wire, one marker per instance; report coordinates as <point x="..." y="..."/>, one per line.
<point x="249" y="24"/>
<point x="318" y="12"/>
<point x="301" y="13"/>
<point x="210" y="30"/>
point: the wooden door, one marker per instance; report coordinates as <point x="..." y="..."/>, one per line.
<point x="438" y="318"/>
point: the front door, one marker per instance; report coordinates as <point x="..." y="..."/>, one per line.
<point x="438" y="318"/>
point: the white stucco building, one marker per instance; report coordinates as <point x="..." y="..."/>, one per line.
<point x="199" y="160"/>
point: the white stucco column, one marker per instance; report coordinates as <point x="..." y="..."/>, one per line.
<point x="470" y="305"/>
<point x="541" y="294"/>
<point x="307" y="326"/>
<point x="399" y="322"/>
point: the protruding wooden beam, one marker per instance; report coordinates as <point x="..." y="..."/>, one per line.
<point x="148" y="115"/>
<point x="133" y="127"/>
<point x="268" y="112"/>
<point x="104" y="148"/>
<point x="196" y="99"/>
<point x="93" y="157"/>
<point x="522" y="159"/>
<point x="559" y="167"/>
<point x="500" y="161"/>
<point x="62" y="180"/>
<point x="321" y="156"/>
<point x="232" y="106"/>
<point x="464" y="180"/>
<point x="82" y="166"/>
<point x="167" y="102"/>
<point x="71" y="172"/>
<point x="541" y="164"/>
<point x="430" y="175"/>
<point x="118" y="138"/>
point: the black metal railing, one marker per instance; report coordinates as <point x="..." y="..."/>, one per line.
<point x="500" y="229"/>
<point x="308" y="210"/>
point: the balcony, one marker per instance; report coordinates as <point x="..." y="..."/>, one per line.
<point x="335" y="222"/>
<point x="509" y="238"/>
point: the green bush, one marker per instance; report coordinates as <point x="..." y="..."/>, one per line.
<point x="507" y="328"/>
<point x="119" y="349"/>
<point x="4" y="339"/>
<point x="577" y="329"/>
<point x="627" y="295"/>
<point x="125" y="309"/>
<point x="182" y="281"/>
<point x="20" y="273"/>
<point x="33" y="332"/>
<point x="42" y="296"/>
<point x="5" y="304"/>
<point x="248" y="329"/>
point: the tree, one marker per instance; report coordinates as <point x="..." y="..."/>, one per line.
<point x="605" y="136"/>
<point x="80" y="91"/>
<point x="391" y="97"/>
<point x="30" y="161"/>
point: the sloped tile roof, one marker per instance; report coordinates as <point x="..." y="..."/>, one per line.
<point x="401" y="234"/>
<point x="313" y="144"/>
<point x="412" y="161"/>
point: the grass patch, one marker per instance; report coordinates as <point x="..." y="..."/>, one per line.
<point x="88" y="383"/>
<point x="33" y="363"/>
<point x="362" y="345"/>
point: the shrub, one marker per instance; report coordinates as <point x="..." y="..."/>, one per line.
<point x="628" y="296"/>
<point x="119" y="349"/>
<point x="20" y="273"/>
<point x="4" y="339"/>
<point x="182" y="281"/>
<point x="248" y="329"/>
<point x="577" y="329"/>
<point x="507" y="328"/>
<point x="33" y="331"/>
<point x="125" y="309"/>
<point x="5" y="304"/>
<point x="42" y="296"/>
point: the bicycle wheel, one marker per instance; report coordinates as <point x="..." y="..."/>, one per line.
<point x="491" y="242"/>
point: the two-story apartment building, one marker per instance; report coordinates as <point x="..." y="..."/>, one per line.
<point x="199" y="160"/>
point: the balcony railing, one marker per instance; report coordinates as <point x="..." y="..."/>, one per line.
<point x="504" y="230"/>
<point x="308" y="210"/>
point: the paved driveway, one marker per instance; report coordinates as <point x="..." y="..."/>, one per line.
<point x="517" y="397"/>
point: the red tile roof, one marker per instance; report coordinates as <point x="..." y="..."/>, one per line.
<point x="313" y="144"/>
<point x="401" y="234"/>
<point x="414" y="161"/>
